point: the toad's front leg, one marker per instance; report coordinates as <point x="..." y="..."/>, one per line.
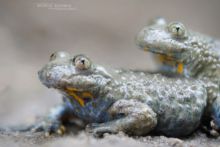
<point x="129" y="116"/>
<point x="53" y="123"/>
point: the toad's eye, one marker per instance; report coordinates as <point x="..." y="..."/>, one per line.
<point x="177" y="30"/>
<point x="59" y="55"/>
<point x="82" y="62"/>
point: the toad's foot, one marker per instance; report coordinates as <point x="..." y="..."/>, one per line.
<point x="49" y="127"/>
<point x="129" y="116"/>
<point x="54" y="122"/>
<point x="99" y="129"/>
<point x="210" y="129"/>
<point x="215" y="123"/>
<point x="215" y="129"/>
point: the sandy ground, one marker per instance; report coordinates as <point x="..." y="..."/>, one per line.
<point x="120" y="140"/>
<point x="30" y="30"/>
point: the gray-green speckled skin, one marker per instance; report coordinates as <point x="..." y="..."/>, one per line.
<point x="198" y="54"/>
<point x="134" y="102"/>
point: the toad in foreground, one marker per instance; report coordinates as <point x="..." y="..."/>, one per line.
<point x="187" y="53"/>
<point x="111" y="100"/>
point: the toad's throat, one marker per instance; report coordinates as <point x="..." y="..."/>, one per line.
<point x="79" y="95"/>
<point x="168" y="60"/>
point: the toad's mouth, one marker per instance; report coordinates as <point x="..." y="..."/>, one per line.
<point x="172" y="62"/>
<point x="82" y="97"/>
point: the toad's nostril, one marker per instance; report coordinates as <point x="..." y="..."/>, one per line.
<point x="38" y="73"/>
<point x="48" y="75"/>
<point x="83" y="61"/>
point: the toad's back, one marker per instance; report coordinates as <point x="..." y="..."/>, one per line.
<point x="179" y="103"/>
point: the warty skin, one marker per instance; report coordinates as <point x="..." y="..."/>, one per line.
<point x="113" y="100"/>
<point x="184" y="52"/>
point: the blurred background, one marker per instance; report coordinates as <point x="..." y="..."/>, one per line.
<point x="30" y="30"/>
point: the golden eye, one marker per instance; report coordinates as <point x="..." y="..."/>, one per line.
<point x="82" y="62"/>
<point x="177" y="29"/>
<point x="58" y="55"/>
